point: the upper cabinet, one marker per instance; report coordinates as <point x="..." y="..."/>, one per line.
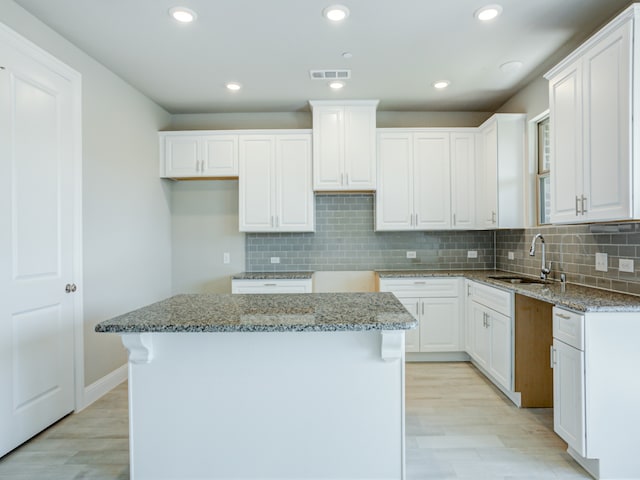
<point x="500" y="198"/>
<point x="344" y="145"/>
<point x="591" y="105"/>
<point x="413" y="180"/>
<point x="198" y="154"/>
<point x="275" y="183"/>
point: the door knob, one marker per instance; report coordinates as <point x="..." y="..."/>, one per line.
<point x="70" y="287"/>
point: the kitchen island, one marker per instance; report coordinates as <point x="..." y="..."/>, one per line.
<point x="266" y="386"/>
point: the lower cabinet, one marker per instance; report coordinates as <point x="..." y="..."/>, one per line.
<point x="568" y="378"/>
<point x="272" y="286"/>
<point x="435" y="303"/>
<point x="489" y="341"/>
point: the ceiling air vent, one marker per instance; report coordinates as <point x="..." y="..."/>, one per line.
<point x="330" y="74"/>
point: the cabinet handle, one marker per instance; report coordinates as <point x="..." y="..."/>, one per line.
<point x="584" y="200"/>
<point x="272" y="222"/>
<point x="422" y="308"/>
<point x="416" y="219"/>
<point x="577" y="208"/>
<point x="347" y="177"/>
<point x="417" y="307"/>
<point x="454" y="219"/>
<point x="270" y="284"/>
<point x="342" y="179"/>
<point x="419" y="283"/>
<point x="552" y="356"/>
<point x="493" y="217"/>
<point x="562" y="315"/>
<point x="468" y="290"/>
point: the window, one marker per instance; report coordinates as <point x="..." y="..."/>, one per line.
<point x="544" y="160"/>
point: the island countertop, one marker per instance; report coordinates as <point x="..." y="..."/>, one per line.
<point x="314" y="312"/>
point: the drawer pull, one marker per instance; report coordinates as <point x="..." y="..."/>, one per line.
<point x="270" y="284"/>
<point x="419" y="283"/>
<point x="562" y="315"/>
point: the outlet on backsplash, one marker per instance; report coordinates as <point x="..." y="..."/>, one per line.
<point x="601" y="262"/>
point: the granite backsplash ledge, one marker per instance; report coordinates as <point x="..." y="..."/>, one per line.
<point x="572" y="249"/>
<point x="345" y="240"/>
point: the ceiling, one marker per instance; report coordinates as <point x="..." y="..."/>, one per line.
<point x="399" y="48"/>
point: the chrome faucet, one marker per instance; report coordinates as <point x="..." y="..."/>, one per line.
<point x="544" y="270"/>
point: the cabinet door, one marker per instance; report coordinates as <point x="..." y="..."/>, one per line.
<point x="328" y="148"/>
<point x="500" y="360"/>
<point x="182" y="154"/>
<point x="412" y="337"/>
<point x="463" y="177"/>
<point x="607" y="117"/>
<point x="481" y="335"/>
<point x="440" y="325"/>
<point x="394" y="198"/>
<point x="256" y="183"/>
<point x="431" y="177"/>
<point x="220" y="156"/>
<point x="294" y="193"/>
<point x="487" y="186"/>
<point x="565" y="113"/>
<point x="360" y="148"/>
<point x="569" y="396"/>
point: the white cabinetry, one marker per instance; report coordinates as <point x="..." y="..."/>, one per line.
<point x="421" y="174"/>
<point x="568" y="378"/>
<point x="344" y="145"/>
<point x="490" y="318"/>
<point x="271" y="285"/>
<point x="596" y="391"/>
<point x="275" y="183"/>
<point x="198" y="154"/>
<point x="435" y="303"/>
<point x="500" y="176"/>
<point x="592" y="128"/>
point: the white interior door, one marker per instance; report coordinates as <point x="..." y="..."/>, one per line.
<point x="36" y="247"/>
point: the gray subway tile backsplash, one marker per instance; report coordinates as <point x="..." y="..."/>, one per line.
<point x="345" y="240"/>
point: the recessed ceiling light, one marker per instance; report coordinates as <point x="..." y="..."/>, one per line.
<point x="488" y="12"/>
<point x="511" y="67"/>
<point x="182" y="14"/>
<point x="440" y="84"/>
<point x="336" y="13"/>
<point x="234" y="86"/>
<point x="336" y="85"/>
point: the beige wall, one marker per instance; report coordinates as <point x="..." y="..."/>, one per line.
<point x="126" y="216"/>
<point x="204" y="227"/>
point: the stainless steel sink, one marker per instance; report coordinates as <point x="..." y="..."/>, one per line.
<point x="518" y="279"/>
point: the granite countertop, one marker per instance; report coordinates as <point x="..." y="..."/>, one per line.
<point x="575" y="297"/>
<point x="313" y="312"/>
<point x="273" y="276"/>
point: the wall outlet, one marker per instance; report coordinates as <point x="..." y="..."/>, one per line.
<point x="411" y="254"/>
<point x="472" y="254"/>
<point x="275" y="259"/>
<point x="601" y="262"/>
<point x="626" y="265"/>
<point x="511" y="256"/>
<point x="226" y="258"/>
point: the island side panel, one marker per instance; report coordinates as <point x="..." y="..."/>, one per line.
<point x="315" y="405"/>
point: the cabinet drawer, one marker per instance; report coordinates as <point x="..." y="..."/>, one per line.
<point x="271" y="286"/>
<point x="493" y="298"/>
<point x="568" y="327"/>
<point x="422" y="286"/>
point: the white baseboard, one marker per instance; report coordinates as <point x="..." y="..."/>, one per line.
<point x="100" y="387"/>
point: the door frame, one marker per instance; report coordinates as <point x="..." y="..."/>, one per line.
<point x="21" y="44"/>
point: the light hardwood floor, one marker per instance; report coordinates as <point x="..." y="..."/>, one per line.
<point x="458" y="426"/>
